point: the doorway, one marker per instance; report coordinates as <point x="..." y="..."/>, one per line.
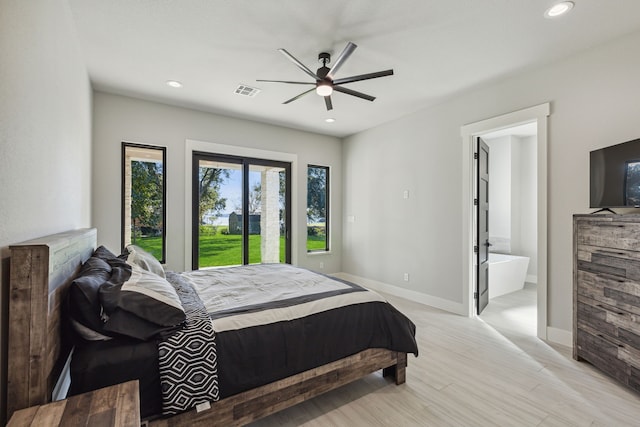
<point x="512" y="224"/>
<point x="538" y="115"/>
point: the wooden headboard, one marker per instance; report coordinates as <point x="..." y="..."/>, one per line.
<point x="40" y="272"/>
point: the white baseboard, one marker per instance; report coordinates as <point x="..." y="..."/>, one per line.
<point x="442" y="304"/>
<point x="531" y="278"/>
<point x="560" y="336"/>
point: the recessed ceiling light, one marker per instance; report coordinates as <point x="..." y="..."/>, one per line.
<point x="559" y="9"/>
<point x="330" y="120"/>
<point x="174" y="83"/>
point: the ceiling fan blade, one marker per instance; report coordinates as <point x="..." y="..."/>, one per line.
<point x="285" y="81"/>
<point x="298" y="63"/>
<point x="354" y="93"/>
<point x="327" y="101"/>
<point x="346" y="53"/>
<point x="363" y="77"/>
<point x="299" y="96"/>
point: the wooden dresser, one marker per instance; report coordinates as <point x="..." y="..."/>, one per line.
<point x="606" y="284"/>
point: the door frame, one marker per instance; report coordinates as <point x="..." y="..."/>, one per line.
<point x="233" y="150"/>
<point x="538" y="114"/>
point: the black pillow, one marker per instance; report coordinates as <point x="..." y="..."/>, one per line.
<point x="84" y="301"/>
<point x="126" y="323"/>
<point x="139" y="303"/>
<point x="104" y="253"/>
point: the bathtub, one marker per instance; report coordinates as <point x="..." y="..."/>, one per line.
<point x="506" y="273"/>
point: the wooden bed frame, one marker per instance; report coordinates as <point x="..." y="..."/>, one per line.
<point x="41" y="270"/>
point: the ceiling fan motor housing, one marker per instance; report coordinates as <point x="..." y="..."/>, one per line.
<point x="325" y="58"/>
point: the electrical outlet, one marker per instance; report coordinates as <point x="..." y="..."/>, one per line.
<point x="406" y="277"/>
<point x="321" y="265"/>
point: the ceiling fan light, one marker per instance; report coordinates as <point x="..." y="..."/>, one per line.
<point x="324" y="89"/>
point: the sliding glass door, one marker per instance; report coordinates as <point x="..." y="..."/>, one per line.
<point x="240" y="211"/>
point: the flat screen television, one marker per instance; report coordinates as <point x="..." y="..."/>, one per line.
<point x="615" y="176"/>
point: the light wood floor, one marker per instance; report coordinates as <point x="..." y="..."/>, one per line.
<point x="488" y="371"/>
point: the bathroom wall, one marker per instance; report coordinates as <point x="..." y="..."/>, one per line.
<point x="500" y="204"/>
<point x="512" y="198"/>
<point x="525" y="163"/>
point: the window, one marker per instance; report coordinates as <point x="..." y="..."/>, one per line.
<point x="317" y="208"/>
<point x="632" y="183"/>
<point x="144" y="198"/>
<point x="240" y="211"/>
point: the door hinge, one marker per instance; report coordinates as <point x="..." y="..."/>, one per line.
<point x="475" y="156"/>
<point x="475" y="202"/>
<point x="475" y="295"/>
<point x="475" y="249"/>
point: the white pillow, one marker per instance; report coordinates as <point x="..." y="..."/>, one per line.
<point x="138" y="256"/>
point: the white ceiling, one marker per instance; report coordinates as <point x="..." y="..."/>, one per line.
<point x="436" y="48"/>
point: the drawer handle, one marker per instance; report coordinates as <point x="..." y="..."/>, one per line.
<point x="621" y="345"/>
<point x="620" y="313"/>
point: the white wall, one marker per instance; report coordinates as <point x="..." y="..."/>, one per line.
<point x="595" y="99"/>
<point x="500" y="192"/>
<point x="45" y="132"/>
<point x="526" y="164"/>
<point x="118" y="118"/>
<point x="512" y="197"/>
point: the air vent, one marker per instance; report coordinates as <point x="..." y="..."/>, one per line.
<point x="245" y="90"/>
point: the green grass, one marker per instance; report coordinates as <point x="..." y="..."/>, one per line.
<point x="316" y="243"/>
<point x="226" y="249"/>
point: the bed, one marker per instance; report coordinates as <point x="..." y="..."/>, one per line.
<point x="39" y="338"/>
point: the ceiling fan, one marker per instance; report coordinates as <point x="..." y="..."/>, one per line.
<point x="325" y="83"/>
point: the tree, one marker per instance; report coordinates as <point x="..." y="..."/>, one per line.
<point x="146" y="195"/>
<point x="316" y="194"/>
<point x="255" y="198"/>
<point x="209" y="182"/>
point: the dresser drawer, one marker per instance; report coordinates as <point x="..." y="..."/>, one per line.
<point x="610" y="290"/>
<point x="591" y="317"/>
<point x="615" y="262"/>
<point x="610" y="315"/>
<point x="609" y="234"/>
<point x="603" y="354"/>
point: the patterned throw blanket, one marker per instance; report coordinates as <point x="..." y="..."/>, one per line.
<point x="187" y="359"/>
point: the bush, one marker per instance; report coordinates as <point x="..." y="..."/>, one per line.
<point x="209" y="230"/>
<point x="315" y="230"/>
